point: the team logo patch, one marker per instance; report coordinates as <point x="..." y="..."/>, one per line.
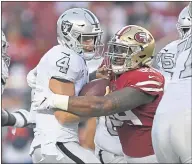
<point x="141" y="37"/>
<point x="66" y="27"/>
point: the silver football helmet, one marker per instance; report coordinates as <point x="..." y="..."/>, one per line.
<point x="184" y="24"/>
<point x="5" y="60"/>
<point x="75" y="27"/>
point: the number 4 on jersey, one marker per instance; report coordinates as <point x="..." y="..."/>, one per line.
<point x="63" y="63"/>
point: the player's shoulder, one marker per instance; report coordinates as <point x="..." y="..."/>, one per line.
<point x="146" y="79"/>
<point x="171" y="47"/>
<point x="61" y="51"/>
<point x="61" y="54"/>
<point x="51" y="55"/>
<point x="144" y="74"/>
<point x="150" y="73"/>
<point x="173" y="43"/>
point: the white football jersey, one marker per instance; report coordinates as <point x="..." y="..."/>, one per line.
<point x="61" y="63"/>
<point x="106" y="141"/>
<point x="178" y="93"/>
<point x="165" y="60"/>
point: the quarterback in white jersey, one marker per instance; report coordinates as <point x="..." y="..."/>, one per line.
<point x="171" y="133"/>
<point x="63" y="70"/>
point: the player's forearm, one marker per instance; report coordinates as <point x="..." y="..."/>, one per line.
<point x="89" y="106"/>
<point x="94" y="106"/>
<point x="89" y="133"/>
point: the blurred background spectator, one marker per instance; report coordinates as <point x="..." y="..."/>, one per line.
<point x="30" y="28"/>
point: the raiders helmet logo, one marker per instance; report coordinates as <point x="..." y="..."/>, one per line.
<point x="66" y="27"/>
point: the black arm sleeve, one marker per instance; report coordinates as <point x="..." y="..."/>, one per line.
<point x="11" y="120"/>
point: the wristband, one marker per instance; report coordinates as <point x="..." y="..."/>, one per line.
<point x="60" y="101"/>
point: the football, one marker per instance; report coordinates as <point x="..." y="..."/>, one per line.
<point x="95" y="88"/>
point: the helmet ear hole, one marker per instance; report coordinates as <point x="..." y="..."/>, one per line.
<point x="185" y="30"/>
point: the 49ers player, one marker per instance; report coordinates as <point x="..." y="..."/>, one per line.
<point x="136" y="92"/>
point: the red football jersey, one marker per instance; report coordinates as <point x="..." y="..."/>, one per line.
<point x="135" y="128"/>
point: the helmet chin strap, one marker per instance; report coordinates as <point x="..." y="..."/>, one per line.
<point x="88" y="55"/>
<point x="121" y="69"/>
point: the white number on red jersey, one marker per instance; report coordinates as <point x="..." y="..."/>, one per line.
<point x="116" y="120"/>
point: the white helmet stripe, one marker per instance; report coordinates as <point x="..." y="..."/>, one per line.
<point x="122" y="30"/>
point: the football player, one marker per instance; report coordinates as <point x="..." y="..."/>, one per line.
<point x="63" y="70"/>
<point x="107" y="146"/>
<point x="171" y="132"/>
<point x="5" y="59"/>
<point x="165" y="60"/>
<point x="136" y="92"/>
<point x="17" y="118"/>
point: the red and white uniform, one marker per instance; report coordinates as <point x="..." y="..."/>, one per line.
<point x="134" y="126"/>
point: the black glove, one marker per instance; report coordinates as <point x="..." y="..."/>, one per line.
<point x="7" y="119"/>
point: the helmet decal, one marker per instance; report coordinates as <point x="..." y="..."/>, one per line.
<point x="141" y="37"/>
<point x="66" y="27"/>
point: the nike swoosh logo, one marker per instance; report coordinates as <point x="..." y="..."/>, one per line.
<point x="81" y="25"/>
<point x="150" y="77"/>
<point x="43" y="100"/>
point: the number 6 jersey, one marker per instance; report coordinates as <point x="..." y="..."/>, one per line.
<point x="134" y="126"/>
